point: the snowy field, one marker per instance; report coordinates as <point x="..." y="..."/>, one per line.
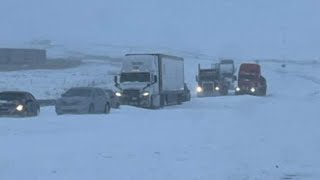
<point x="218" y="138"/>
<point x="46" y="84"/>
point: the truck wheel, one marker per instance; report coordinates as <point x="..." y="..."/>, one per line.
<point x="155" y="102"/>
<point x="91" y="109"/>
<point x="261" y="92"/>
<point x="264" y="91"/>
<point x="165" y="100"/>
<point x="152" y="106"/>
<point x="179" y="99"/>
<point x="107" y="109"/>
<point x="188" y="97"/>
<point x="117" y="105"/>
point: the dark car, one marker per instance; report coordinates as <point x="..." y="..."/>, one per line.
<point x="17" y="103"/>
<point x="82" y="100"/>
<point x="115" y="100"/>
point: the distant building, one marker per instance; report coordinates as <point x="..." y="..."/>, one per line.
<point x="10" y="56"/>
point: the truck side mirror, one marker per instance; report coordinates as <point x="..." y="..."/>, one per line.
<point x="155" y="78"/>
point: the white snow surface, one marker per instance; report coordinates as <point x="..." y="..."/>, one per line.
<point x="232" y="137"/>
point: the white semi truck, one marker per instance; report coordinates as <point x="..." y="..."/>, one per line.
<point x="151" y="80"/>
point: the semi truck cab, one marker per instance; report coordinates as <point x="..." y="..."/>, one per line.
<point x="250" y="80"/>
<point x="150" y="80"/>
<point x="210" y="82"/>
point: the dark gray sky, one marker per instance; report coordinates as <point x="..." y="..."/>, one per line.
<point x="234" y="28"/>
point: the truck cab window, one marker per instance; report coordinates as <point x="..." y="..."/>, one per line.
<point x="135" y="77"/>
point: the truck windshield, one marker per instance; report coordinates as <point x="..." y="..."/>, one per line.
<point x="135" y="77"/>
<point x="208" y="78"/>
<point x="208" y="75"/>
<point x="247" y="76"/>
<point x="226" y="69"/>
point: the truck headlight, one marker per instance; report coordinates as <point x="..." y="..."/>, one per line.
<point x="217" y="88"/>
<point x="199" y="89"/>
<point x="145" y="94"/>
<point x="118" y="94"/>
<point x="19" y="107"/>
<point x="238" y="89"/>
<point x="253" y="90"/>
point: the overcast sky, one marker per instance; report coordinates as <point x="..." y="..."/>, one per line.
<point x="233" y="28"/>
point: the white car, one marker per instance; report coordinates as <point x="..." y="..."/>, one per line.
<point x="83" y="100"/>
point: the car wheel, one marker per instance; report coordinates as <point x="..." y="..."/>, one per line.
<point x="189" y="97"/>
<point x="107" y="109"/>
<point x="37" y="112"/>
<point x="118" y="106"/>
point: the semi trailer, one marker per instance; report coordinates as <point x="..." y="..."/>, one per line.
<point x="151" y="80"/>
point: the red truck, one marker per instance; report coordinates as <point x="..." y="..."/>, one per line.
<point x="250" y="80"/>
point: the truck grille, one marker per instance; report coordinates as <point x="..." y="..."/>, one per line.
<point x="207" y="87"/>
<point x="131" y="96"/>
<point x="131" y="93"/>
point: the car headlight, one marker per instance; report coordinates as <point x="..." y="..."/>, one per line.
<point x="118" y="94"/>
<point x="145" y="94"/>
<point x="217" y="88"/>
<point x="253" y="90"/>
<point x="238" y="89"/>
<point x="199" y="89"/>
<point x="19" y="107"/>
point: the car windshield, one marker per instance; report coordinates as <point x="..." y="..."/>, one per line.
<point x="135" y="77"/>
<point x="11" y="96"/>
<point x="78" y="93"/>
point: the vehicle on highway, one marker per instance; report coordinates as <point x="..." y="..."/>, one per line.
<point x="250" y="80"/>
<point x="151" y="80"/>
<point x="115" y="100"/>
<point x="83" y="100"/>
<point x="210" y="82"/>
<point x="18" y="103"/>
<point x="227" y="70"/>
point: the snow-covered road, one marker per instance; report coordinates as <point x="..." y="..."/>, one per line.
<point x="233" y="137"/>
